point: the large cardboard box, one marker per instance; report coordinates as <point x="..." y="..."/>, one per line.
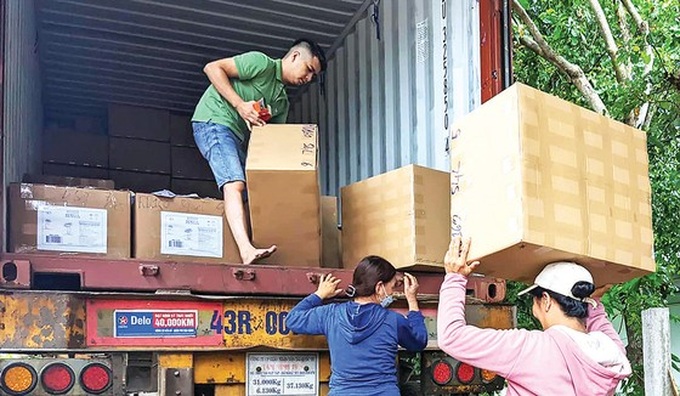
<point x="536" y="179"/>
<point x="182" y="229"/>
<point x="283" y="192"/>
<point x="139" y="155"/>
<point x="188" y="163"/>
<point x="402" y="215"/>
<point x="63" y="147"/>
<point x="69" y="221"/>
<point x="181" y="131"/>
<point x="331" y="255"/>
<point x="139" y="122"/>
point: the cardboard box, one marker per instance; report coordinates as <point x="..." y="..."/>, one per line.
<point x="204" y="188"/>
<point x="75" y="171"/>
<point x="140" y="182"/>
<point x="69" y="221"/>
<point x="536" y="179"/>
<point x="188" y="163"/>
<point x="402" y="215"/>
<point x="139" y="122"/>
<point x="139" y="155"/>
<point x="182" y="229"/>
<point x="331" y="256"/>
<point x="283" y="192"/>
<point x="181" y="131"/>
<point x="68" y="181"/>
<point x="67" y="148"/>
<point x="87" y="124"/>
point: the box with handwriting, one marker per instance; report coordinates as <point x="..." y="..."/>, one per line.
<point x="283" y="193"/>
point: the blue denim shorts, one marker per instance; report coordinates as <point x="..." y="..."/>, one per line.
<point x="223" y="150"/>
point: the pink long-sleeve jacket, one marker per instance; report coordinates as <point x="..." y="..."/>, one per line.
<point x="557" y="361"/>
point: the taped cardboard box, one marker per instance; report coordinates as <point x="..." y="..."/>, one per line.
<point x="74" y="171"/>
<point x="181" y="131"/>
<point x="63" y="147"/>
<point x="140" y="182"/>
<point x="188" y="163"/>
<point x="182" y="229"/>
<point x="536" y="179"/>
<point x="283" y="193"/>
<point x="139" y="122"/>
<point x="204" y="188"/>
<point x="68" y="181"/>
<point x="69" y="221"/>
<point x="330" y="234"/>
<point x="139" y="155"/>
<point x="402" y="215"/>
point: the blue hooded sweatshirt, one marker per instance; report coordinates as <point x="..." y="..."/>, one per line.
<point x="363" y="342"/>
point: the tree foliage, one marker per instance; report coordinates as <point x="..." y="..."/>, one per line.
<point x="628" y="53"/>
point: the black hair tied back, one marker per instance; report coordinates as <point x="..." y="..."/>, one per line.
<point x="582" y="289"/>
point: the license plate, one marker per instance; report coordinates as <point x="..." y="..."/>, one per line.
<point x="289" y="374"/>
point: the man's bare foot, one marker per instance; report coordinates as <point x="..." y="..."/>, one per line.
<point x="257" y="254"/>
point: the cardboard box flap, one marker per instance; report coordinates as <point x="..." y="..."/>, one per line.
<point x="294" y="147"/>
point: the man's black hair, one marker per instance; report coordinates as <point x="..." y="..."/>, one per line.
<point x="315" y="49"/>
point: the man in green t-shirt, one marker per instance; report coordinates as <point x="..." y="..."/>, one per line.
<point x="223" y="116"/>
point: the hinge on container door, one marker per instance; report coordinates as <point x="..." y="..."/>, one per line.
<point x="375" y="17"/>
<point x="178" y="382"/>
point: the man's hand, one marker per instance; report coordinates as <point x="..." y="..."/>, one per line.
<point x="248" y="112"/>
<point x="455" y="260"/>
<point x="328" y="287"/>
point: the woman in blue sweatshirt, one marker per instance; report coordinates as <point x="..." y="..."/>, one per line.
<point x="363" y="336"/>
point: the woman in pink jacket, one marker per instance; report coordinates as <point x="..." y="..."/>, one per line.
<point x="577" y="353"/>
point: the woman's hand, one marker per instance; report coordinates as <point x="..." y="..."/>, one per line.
<point x="328" y="287"/>
<point x="411" y="291"/>
<point x="410" y="286"/>
<point x="455" y="260"/>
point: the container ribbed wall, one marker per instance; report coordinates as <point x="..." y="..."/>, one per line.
<point x="23" y="111"/>
<point x="388" y="102"/>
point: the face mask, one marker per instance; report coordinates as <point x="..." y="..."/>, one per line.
<point x="387" y="300"/>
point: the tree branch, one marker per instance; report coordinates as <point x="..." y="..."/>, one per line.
<point x="623" y="24"/>
<point x="606" y="33"/>
<point x="575" y="73"/>
<point x="625" y="33"/>
<point x="643" y="27"/>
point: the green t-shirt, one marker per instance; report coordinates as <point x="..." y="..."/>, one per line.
<point x="259" y="78"/>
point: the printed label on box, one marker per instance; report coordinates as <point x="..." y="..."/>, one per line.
<point x="188" y="234"/>
<point x="68" y="229"/>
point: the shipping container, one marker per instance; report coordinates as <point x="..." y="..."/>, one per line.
<point x="124" y="76"/>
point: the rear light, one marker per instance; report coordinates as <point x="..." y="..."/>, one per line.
<point x="442" y="372"/>
<point x="488" y="376"/>
<point x="96" y="378"/>
<point x="465" y="373"/>
<point x="57" y="378"/>
<point x="18" y="379"/>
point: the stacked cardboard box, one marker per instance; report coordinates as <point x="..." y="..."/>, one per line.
<point x="402" y="215"/>
<point x="283" y="193"/>
<point x="69" y="220"/>
<point x="182" y="229"/>
<point x="536" y="179"/>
